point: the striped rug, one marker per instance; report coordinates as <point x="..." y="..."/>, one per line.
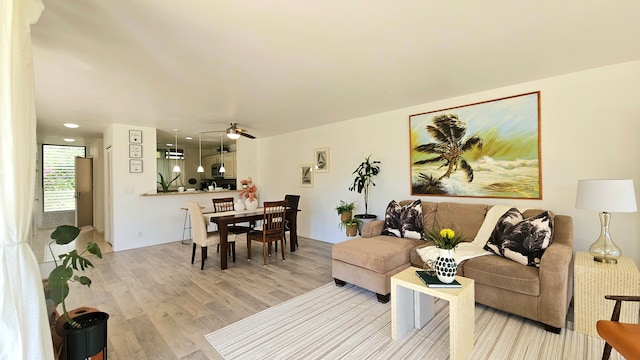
<point x="349" y="323"/>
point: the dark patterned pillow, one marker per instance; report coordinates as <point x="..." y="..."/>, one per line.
<point x="404" y="221"/>
<point x="392" y="225"/>
<point x="521" y="240"/>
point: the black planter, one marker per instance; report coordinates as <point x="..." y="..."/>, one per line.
<point x="365" y="218"/>
<point x="88" y="340"/>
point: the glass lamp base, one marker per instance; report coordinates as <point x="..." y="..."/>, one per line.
<point x="604" y="250"/>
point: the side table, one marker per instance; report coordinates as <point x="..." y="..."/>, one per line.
<point x="592" y="281"/>
<point x="412" y="307"/>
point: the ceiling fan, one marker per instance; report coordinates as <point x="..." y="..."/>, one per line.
<point x="234" y="132"/>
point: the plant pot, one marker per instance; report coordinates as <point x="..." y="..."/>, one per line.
<point x="87" y="341"/>
<point x="445" y="266"/>
<point x="251" y="205"/>
<point x="346" y="216"/>
<point x="351" y="229"/>
<point x="364" y="219"/>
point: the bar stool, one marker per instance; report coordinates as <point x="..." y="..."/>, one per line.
<point x="186" y="226"/>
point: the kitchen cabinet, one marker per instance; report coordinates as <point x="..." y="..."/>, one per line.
<point x="229" y="165"/>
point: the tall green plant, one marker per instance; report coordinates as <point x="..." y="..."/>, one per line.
<point x="165" y="185"/>
<point x="58" y="281"/>
<point x="365" y="172"/>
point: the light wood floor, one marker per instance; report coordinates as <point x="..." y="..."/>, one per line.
<point x="161" y="306"/>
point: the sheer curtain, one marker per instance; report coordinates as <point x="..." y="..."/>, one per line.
<point x="23" y="321"/>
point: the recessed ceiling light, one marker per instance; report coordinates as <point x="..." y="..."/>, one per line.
<point x="69" y="140"/>
<point x="71" y="126"/>
<point x="189" y="138"/>
<point x="169" y="144"/>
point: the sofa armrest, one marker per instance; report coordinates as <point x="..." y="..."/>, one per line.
<point x="556" y="284"/>
<point x="373" y="228"/>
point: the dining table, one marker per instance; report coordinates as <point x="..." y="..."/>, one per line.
<point x="226" y="218"/>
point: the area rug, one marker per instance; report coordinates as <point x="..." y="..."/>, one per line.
<point x="349" y="323"/>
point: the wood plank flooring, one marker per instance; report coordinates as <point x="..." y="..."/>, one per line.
<point x="161" y="306"/>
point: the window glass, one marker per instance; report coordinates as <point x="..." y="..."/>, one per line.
<point x="58" y="176"/>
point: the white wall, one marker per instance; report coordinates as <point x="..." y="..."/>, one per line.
<point x="589" y="129"/>
<point x="133" y="216"/>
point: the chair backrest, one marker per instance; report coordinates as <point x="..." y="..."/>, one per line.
<point x="198" y="226"/>
<point x="222" y="204"/>
<point x="273" y="218"/>
<point x="292" y="201"/>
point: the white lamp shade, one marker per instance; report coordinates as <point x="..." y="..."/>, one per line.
<point x="200" y="169"/>
<point x="176" y="169"/>
<point x="606" y="195"/>
<point x="222" y="170"/>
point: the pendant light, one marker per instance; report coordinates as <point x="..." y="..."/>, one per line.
<point x="176" y="169"/>
<point x="200" y="168"/>
<point x="222" y="170"/>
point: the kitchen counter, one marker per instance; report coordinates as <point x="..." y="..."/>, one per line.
<point x="174" y="193"/>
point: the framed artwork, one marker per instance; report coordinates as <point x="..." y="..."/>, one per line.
<point x="489" y="149"/>
<point x="135" y="136"/>
<point x="135" y="165"/>
<point x="135" y="151"/>
<point x="306" y="175"/>
<point x="322" y="159"/>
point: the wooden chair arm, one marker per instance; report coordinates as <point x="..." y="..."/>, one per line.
<point x="615" y="316"/>
<point x="622" y="297"/>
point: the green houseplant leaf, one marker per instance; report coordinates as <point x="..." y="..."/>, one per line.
<point x="59" y="277"/>
<point x="365" y="172"/>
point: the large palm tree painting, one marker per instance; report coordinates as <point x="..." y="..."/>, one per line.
<point x="488" y="149"/>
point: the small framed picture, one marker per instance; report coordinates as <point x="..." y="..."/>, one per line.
<point x="322" y="159"/>
<point x="135" y="165"/>
<point x="306" y="175"/>
<point x="135" y="136"/>
<point x="135" y="151"/>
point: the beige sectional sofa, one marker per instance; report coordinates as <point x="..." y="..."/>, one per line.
<point x="541" y="294"/>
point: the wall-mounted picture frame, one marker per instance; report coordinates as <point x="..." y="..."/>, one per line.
<point x="306" y="175"/>
<point x="135" y="151"/>
<point x="322" y="159"/>
<point x="135" y="136"/>
<point x="135" y="165"/>
<point x="489" y="149"/>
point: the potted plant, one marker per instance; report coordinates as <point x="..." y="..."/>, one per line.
<point x="165" y="185"/>
<point x="350" y="226"/>
<point x="84" y="333"/>
<point x="365" y="172"/>
<point x="249" y="191"/>
<point x="446" y="240"/>
<point x="345" y="210"/>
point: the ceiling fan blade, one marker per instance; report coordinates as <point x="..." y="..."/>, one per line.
<point x="246" y="134"/>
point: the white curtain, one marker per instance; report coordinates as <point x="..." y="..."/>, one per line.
<point x="24" y="327"/>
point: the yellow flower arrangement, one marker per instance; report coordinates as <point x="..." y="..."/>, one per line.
<point x="445" y="238"/>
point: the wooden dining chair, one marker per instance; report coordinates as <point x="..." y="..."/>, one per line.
<point x="621" y="336"/>
<point x="224" y="205"/>
<point x="292" y="203"/>
<point x="272" y="229"/>
<point x="199" y="231"/>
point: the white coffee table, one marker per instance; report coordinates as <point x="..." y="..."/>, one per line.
<point x="412" y="308"/>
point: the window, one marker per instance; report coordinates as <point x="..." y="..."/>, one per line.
<point x="58" y="176"/>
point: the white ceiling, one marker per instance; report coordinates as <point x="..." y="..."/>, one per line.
<point x="282" y="65"/>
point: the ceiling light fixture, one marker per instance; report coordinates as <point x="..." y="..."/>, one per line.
<point x="176" y="169"/>
<point x="222" y="170"/>
<point x="69" y="140"/>
<point x="232" y="134"/>
<point x="71" y="126"/>
<point x="200" y="168"/>
<point x="188" y="138"/>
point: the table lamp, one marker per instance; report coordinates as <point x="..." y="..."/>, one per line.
<point x="606" y="196"/>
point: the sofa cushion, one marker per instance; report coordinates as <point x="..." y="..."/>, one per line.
<point x="464" y="219"/>
<point x="428" y="213"/>
<point x="519" y="239"/>
<point x="404" y="220"/>
<point x="503" y="273"/>
<point x="380" y="253"/>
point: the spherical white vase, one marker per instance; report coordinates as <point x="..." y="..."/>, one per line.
<point x="238" y="205"/>
<point x="251" y="205"/>
<point x="445" y="266"/>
